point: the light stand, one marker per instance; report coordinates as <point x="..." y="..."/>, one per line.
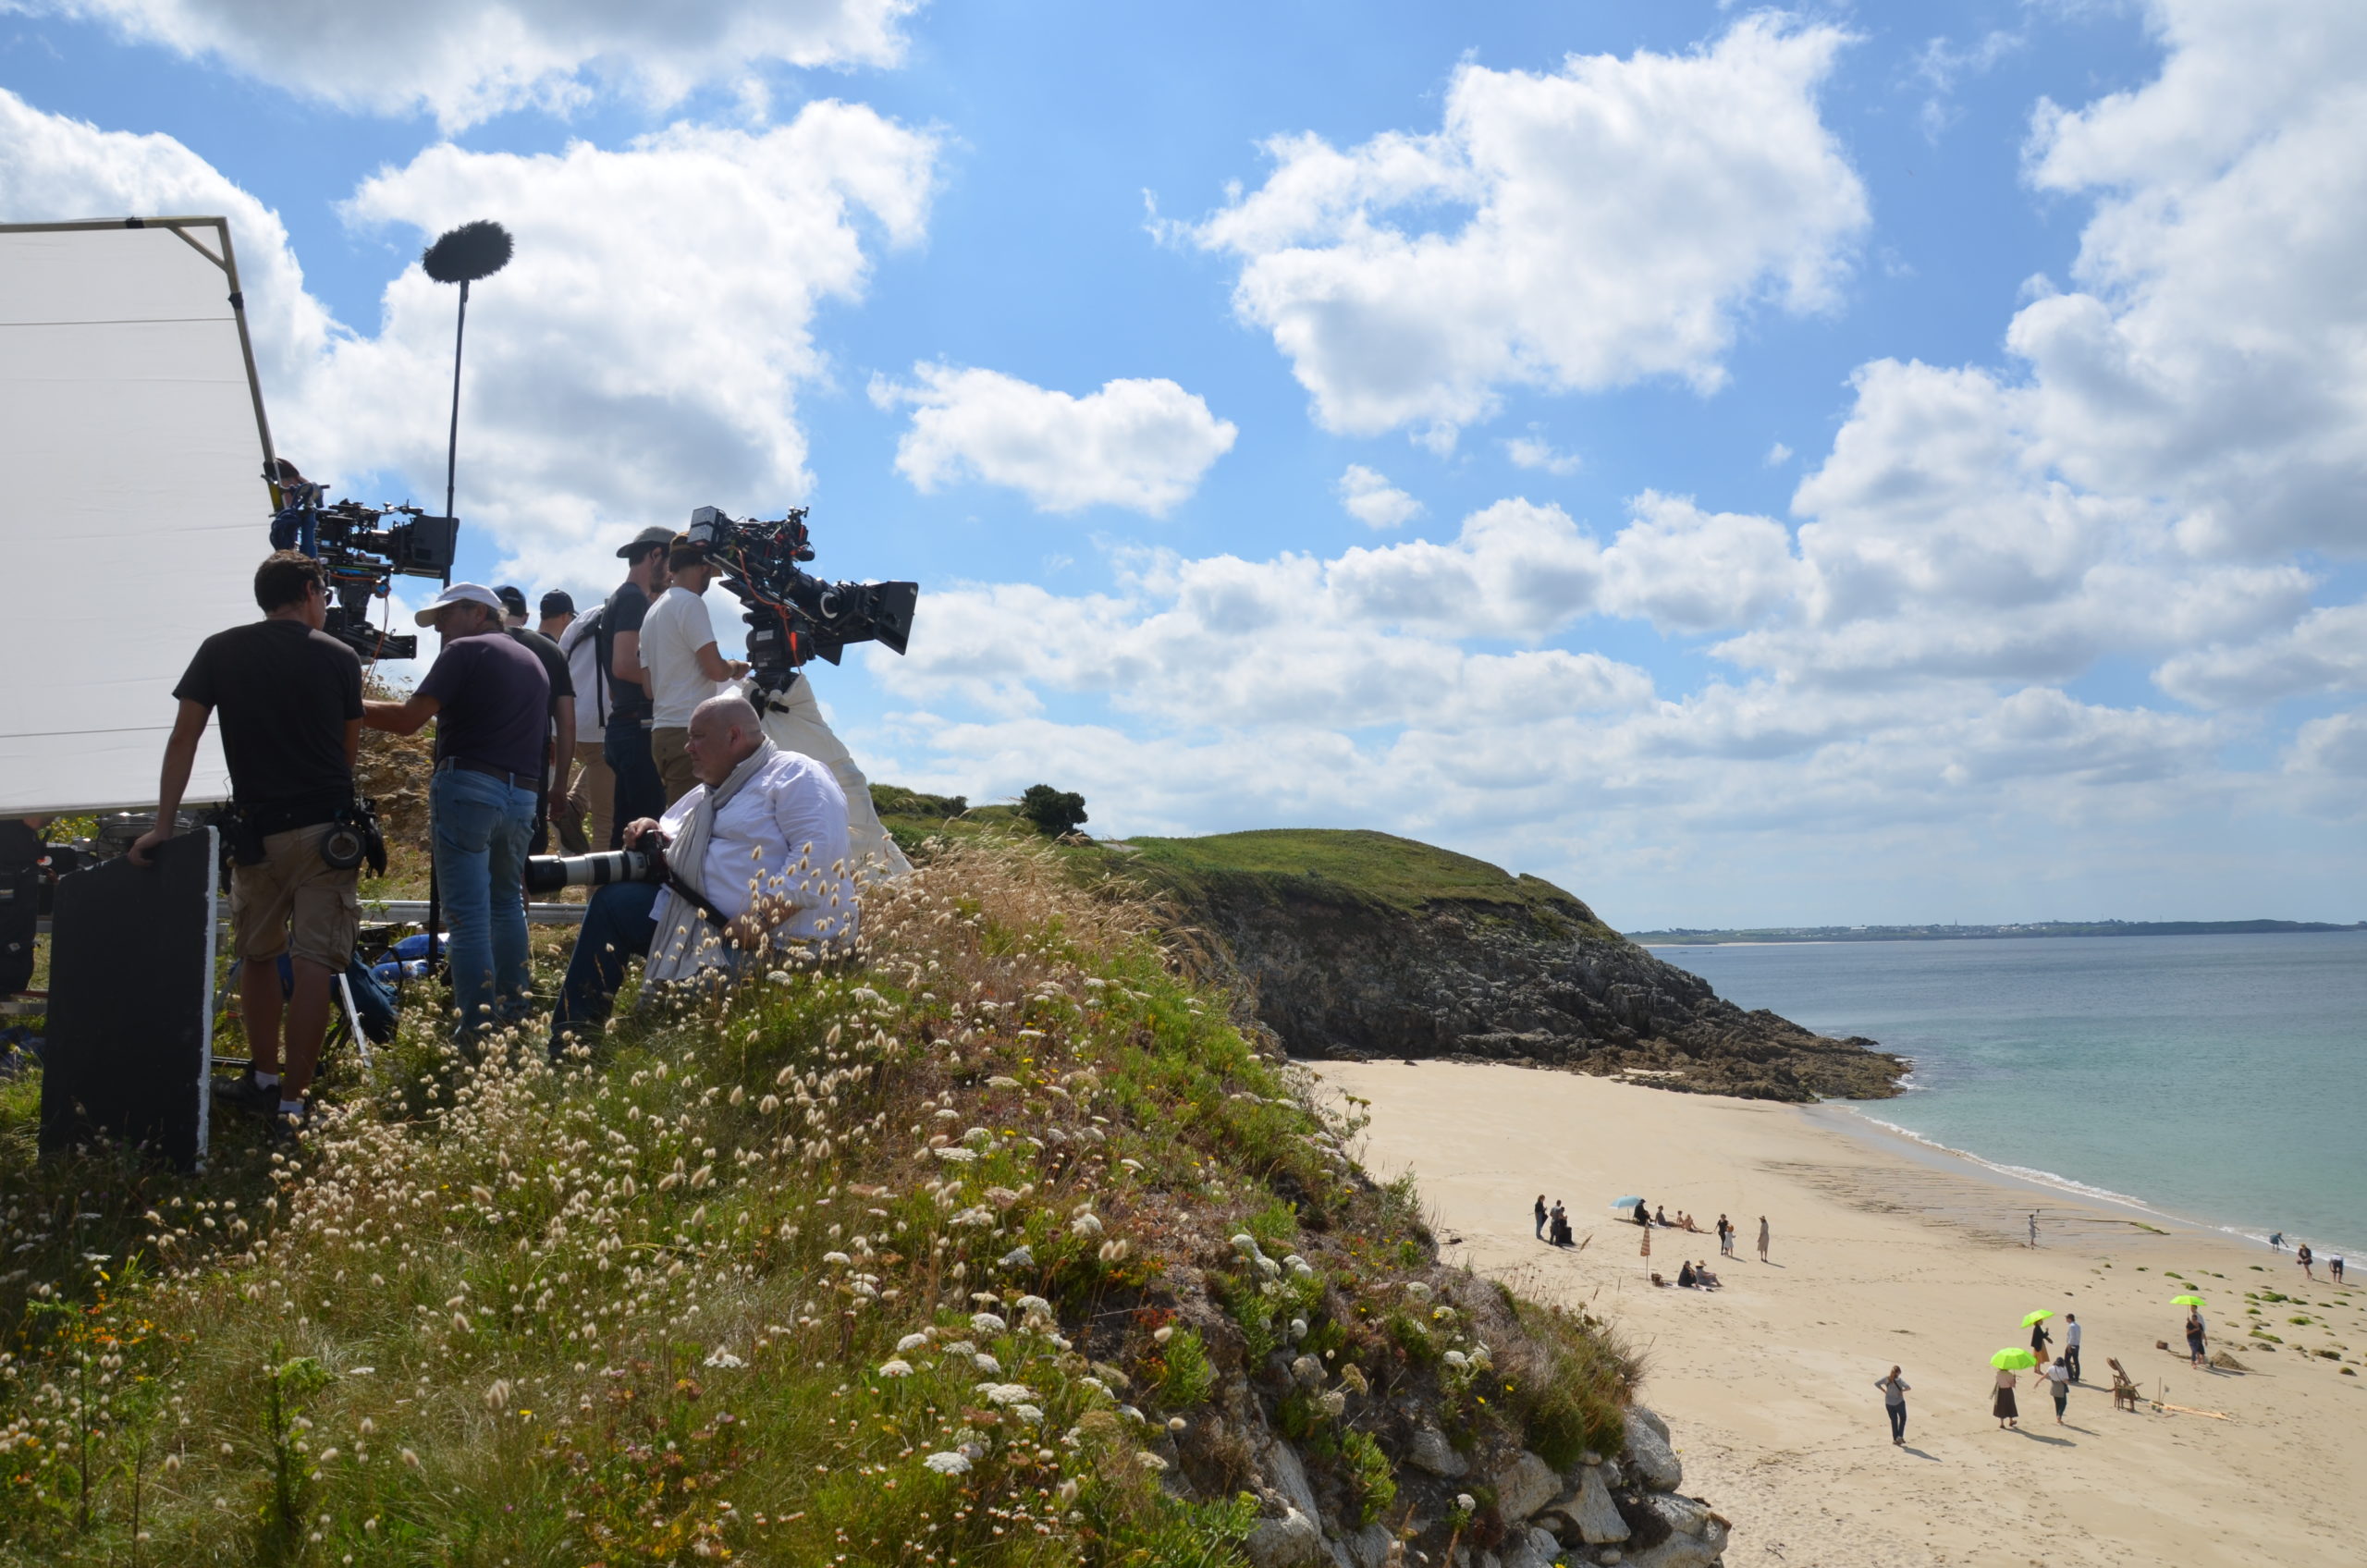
<point x="462" y="255"/>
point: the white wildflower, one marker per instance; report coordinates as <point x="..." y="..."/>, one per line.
<point x="896" y="1368"/>
<point x="1018" y="1257"/>
<point x="954" y="1155"/>
<point x="986" y="1363"/>
<point x="1086" y="1225"/>
<point x="723" y="1359"/>
<point x="1150" y="1462"/>
<point x="949" y="1463"/>
<point x="1006" y="1393"/>
<point x="987" y="1323"/>
<point x="1029" y="1414"/>
<point x="1030" y="1307"/>
<point x="1417" y="1290"/>
<point x="911" y="1342"/>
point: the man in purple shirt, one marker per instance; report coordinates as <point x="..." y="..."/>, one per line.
<point x="490" y="699"/>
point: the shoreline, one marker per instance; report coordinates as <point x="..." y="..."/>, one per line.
<point x="1888" y="1248"/>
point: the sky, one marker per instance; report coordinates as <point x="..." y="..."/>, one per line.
<point x="1855" y="463"/>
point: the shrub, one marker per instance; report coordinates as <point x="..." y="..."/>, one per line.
<point x="1054" y="811"/>
<point x="1368" y="1475"/>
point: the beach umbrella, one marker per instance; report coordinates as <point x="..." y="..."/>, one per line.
<point x="2041" y="1316"/>
<point x="1629" y="1202"/>
<point x="2186" y="1301"/>
<point x="2016" y="1360"/>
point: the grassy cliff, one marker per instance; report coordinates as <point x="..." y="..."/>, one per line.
<point x="999" y="1245"/>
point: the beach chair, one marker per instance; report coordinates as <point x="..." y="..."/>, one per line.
<point x="2123" y="1387"/>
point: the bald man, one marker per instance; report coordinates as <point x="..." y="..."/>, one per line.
<point x="756" y="859"/>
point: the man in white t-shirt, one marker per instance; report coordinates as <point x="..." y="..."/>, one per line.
<point x="678" y="649"/>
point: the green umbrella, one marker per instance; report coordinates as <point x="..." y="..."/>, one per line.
<point x="2038" y="1316"/>
<point x="2186" y="1301"/>
<point x="2013" y="1360"/>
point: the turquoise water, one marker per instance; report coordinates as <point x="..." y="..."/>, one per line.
<point x="2222" y="1079"/>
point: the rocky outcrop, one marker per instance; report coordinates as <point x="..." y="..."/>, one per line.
<point x="1522" y="973"/>
<point x="1601" y="1510"/>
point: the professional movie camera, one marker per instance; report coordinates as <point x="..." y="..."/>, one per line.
<point x="792" y="616"/>
<point x="362" y="552"/>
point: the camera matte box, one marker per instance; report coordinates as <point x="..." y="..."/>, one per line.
<point x="131" y="1043"/>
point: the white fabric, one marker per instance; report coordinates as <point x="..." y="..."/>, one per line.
<point x="129" y="462"/>
<point x="795" y="723"/>
<point x="673" y="631"/>
<point x="581" y="644"/>
<point x="781" y="833"/>
<point x="2071" y="1335"/>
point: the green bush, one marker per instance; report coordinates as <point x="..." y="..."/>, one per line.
<point x="1369" y="1475"/>
<point x="1054" y="811"/>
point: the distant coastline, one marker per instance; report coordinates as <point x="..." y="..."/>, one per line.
<point x="1681" y="937"/>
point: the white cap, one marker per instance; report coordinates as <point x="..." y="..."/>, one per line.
<point x="459" y="593"/>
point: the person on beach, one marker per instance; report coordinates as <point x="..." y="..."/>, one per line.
<point x="1558" y="1226"/>
<point x="2001" y="1403"/>
<point x="1660" y="1218"/>
<point x="1725" y="1237"/>
<point x="2059" y="1382"/>
<point x="2277" y="1241"/>
<point x="2194" y="1336"/>
<point x="1643" y="1215"/>
<point x="1703" y="1277"/>
<point x="1686" y="1279"/>
<point x="2034" y="1230"/>
<point x="1762" y="1238"/>
<point x="1894" y="1390"/>
<point x="2039" y="1339"/>
<point x="2334" y="1267"/>
<point x="2071" y="1343"/>
<point x="1540" y="1217"/>
<point x="2305" y="1258"/>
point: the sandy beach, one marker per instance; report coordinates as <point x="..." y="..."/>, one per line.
<point x="1886" y="1252"/>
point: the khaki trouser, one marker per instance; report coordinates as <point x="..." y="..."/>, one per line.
<point x="294" y="902"/>
<point x="670" y="750"/>
<point x="795" y="723"/>
<point x="595" y="792"/>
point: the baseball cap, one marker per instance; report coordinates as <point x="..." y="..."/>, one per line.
<point x="513" y="598"/>
<point x="557" y="602"/>
<point x="458" y="593"/>
<point x="648" y="539"/>
<point x="683" y="550"/>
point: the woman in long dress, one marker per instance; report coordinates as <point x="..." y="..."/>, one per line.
<point x="2002" y="1406"/>
<point x="1762" y="1238"/>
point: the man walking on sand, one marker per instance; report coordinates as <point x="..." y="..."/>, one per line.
<point x="1762" y="1238"/>
<point x="1540" y="1217"/>
<point x="2071" y="1344"/>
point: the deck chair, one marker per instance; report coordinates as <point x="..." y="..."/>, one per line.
<point x="2123" y="1387"/>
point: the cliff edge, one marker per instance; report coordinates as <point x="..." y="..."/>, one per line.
<point x="1358" y="945"/>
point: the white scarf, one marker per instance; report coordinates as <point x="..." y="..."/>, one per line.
<point x="685" y="937"/>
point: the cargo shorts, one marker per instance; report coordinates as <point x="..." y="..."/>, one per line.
<point x="294" y="902"/>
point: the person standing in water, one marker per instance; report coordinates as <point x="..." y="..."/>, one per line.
<point x="1762" y="1238"/>
<point x="1894" y="1390"/>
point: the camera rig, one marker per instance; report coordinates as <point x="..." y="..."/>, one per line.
<point x="793" y="616"/>
<point x="360" y="552"/>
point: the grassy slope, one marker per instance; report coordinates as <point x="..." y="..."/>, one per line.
<point x="707" y="1289"/>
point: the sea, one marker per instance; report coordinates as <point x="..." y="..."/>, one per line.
<point x="2218" y="1079"/>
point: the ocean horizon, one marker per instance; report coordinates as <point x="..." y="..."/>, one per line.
<point x="2216" y="1079"/>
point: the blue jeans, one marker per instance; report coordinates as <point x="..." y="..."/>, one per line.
<point x="482" y="825"/>
<point x="617" y="925"/>
<point x="1897" y="1421"/>
<point x="624" y="745"/>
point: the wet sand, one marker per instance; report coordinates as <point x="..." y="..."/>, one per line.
<point x="1885" y="1251"/>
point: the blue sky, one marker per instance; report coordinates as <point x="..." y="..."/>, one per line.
<point x="1857" y="463"/>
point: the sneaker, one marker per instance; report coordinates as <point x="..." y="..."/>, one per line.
<point x="288" y="1128"/>
<point x="244" y="1094"/>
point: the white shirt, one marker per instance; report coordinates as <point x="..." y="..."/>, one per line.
<point x="784" y="835"/>
<point x="2071" y="1334"/>
<point x="673" y="631"/>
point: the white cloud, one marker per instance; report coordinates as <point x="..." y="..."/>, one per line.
<point x="1373" y="501"/>
<point x="1778" y="455"/>
<point x="2325" y="651"/>
<point x="657" y="322"/>
<point x="1533" y="451"/>
<point x="1142" y="444"/>
<point x="466" y="60"/>
<point x="1619" y="215"/>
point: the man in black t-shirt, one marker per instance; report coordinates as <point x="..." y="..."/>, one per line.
<point x="640" y="791"/>
<point x="491" y="703"/>
<point x="290" y="699"/>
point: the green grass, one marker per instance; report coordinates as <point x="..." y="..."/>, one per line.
<point x="1377" y="867"/>
<point x="714" y="1286"/>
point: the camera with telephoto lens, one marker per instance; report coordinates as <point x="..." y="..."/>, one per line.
<point x="792" y="616"/>
<point x="360" y="552"/>
<point x="548" y="873"/>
